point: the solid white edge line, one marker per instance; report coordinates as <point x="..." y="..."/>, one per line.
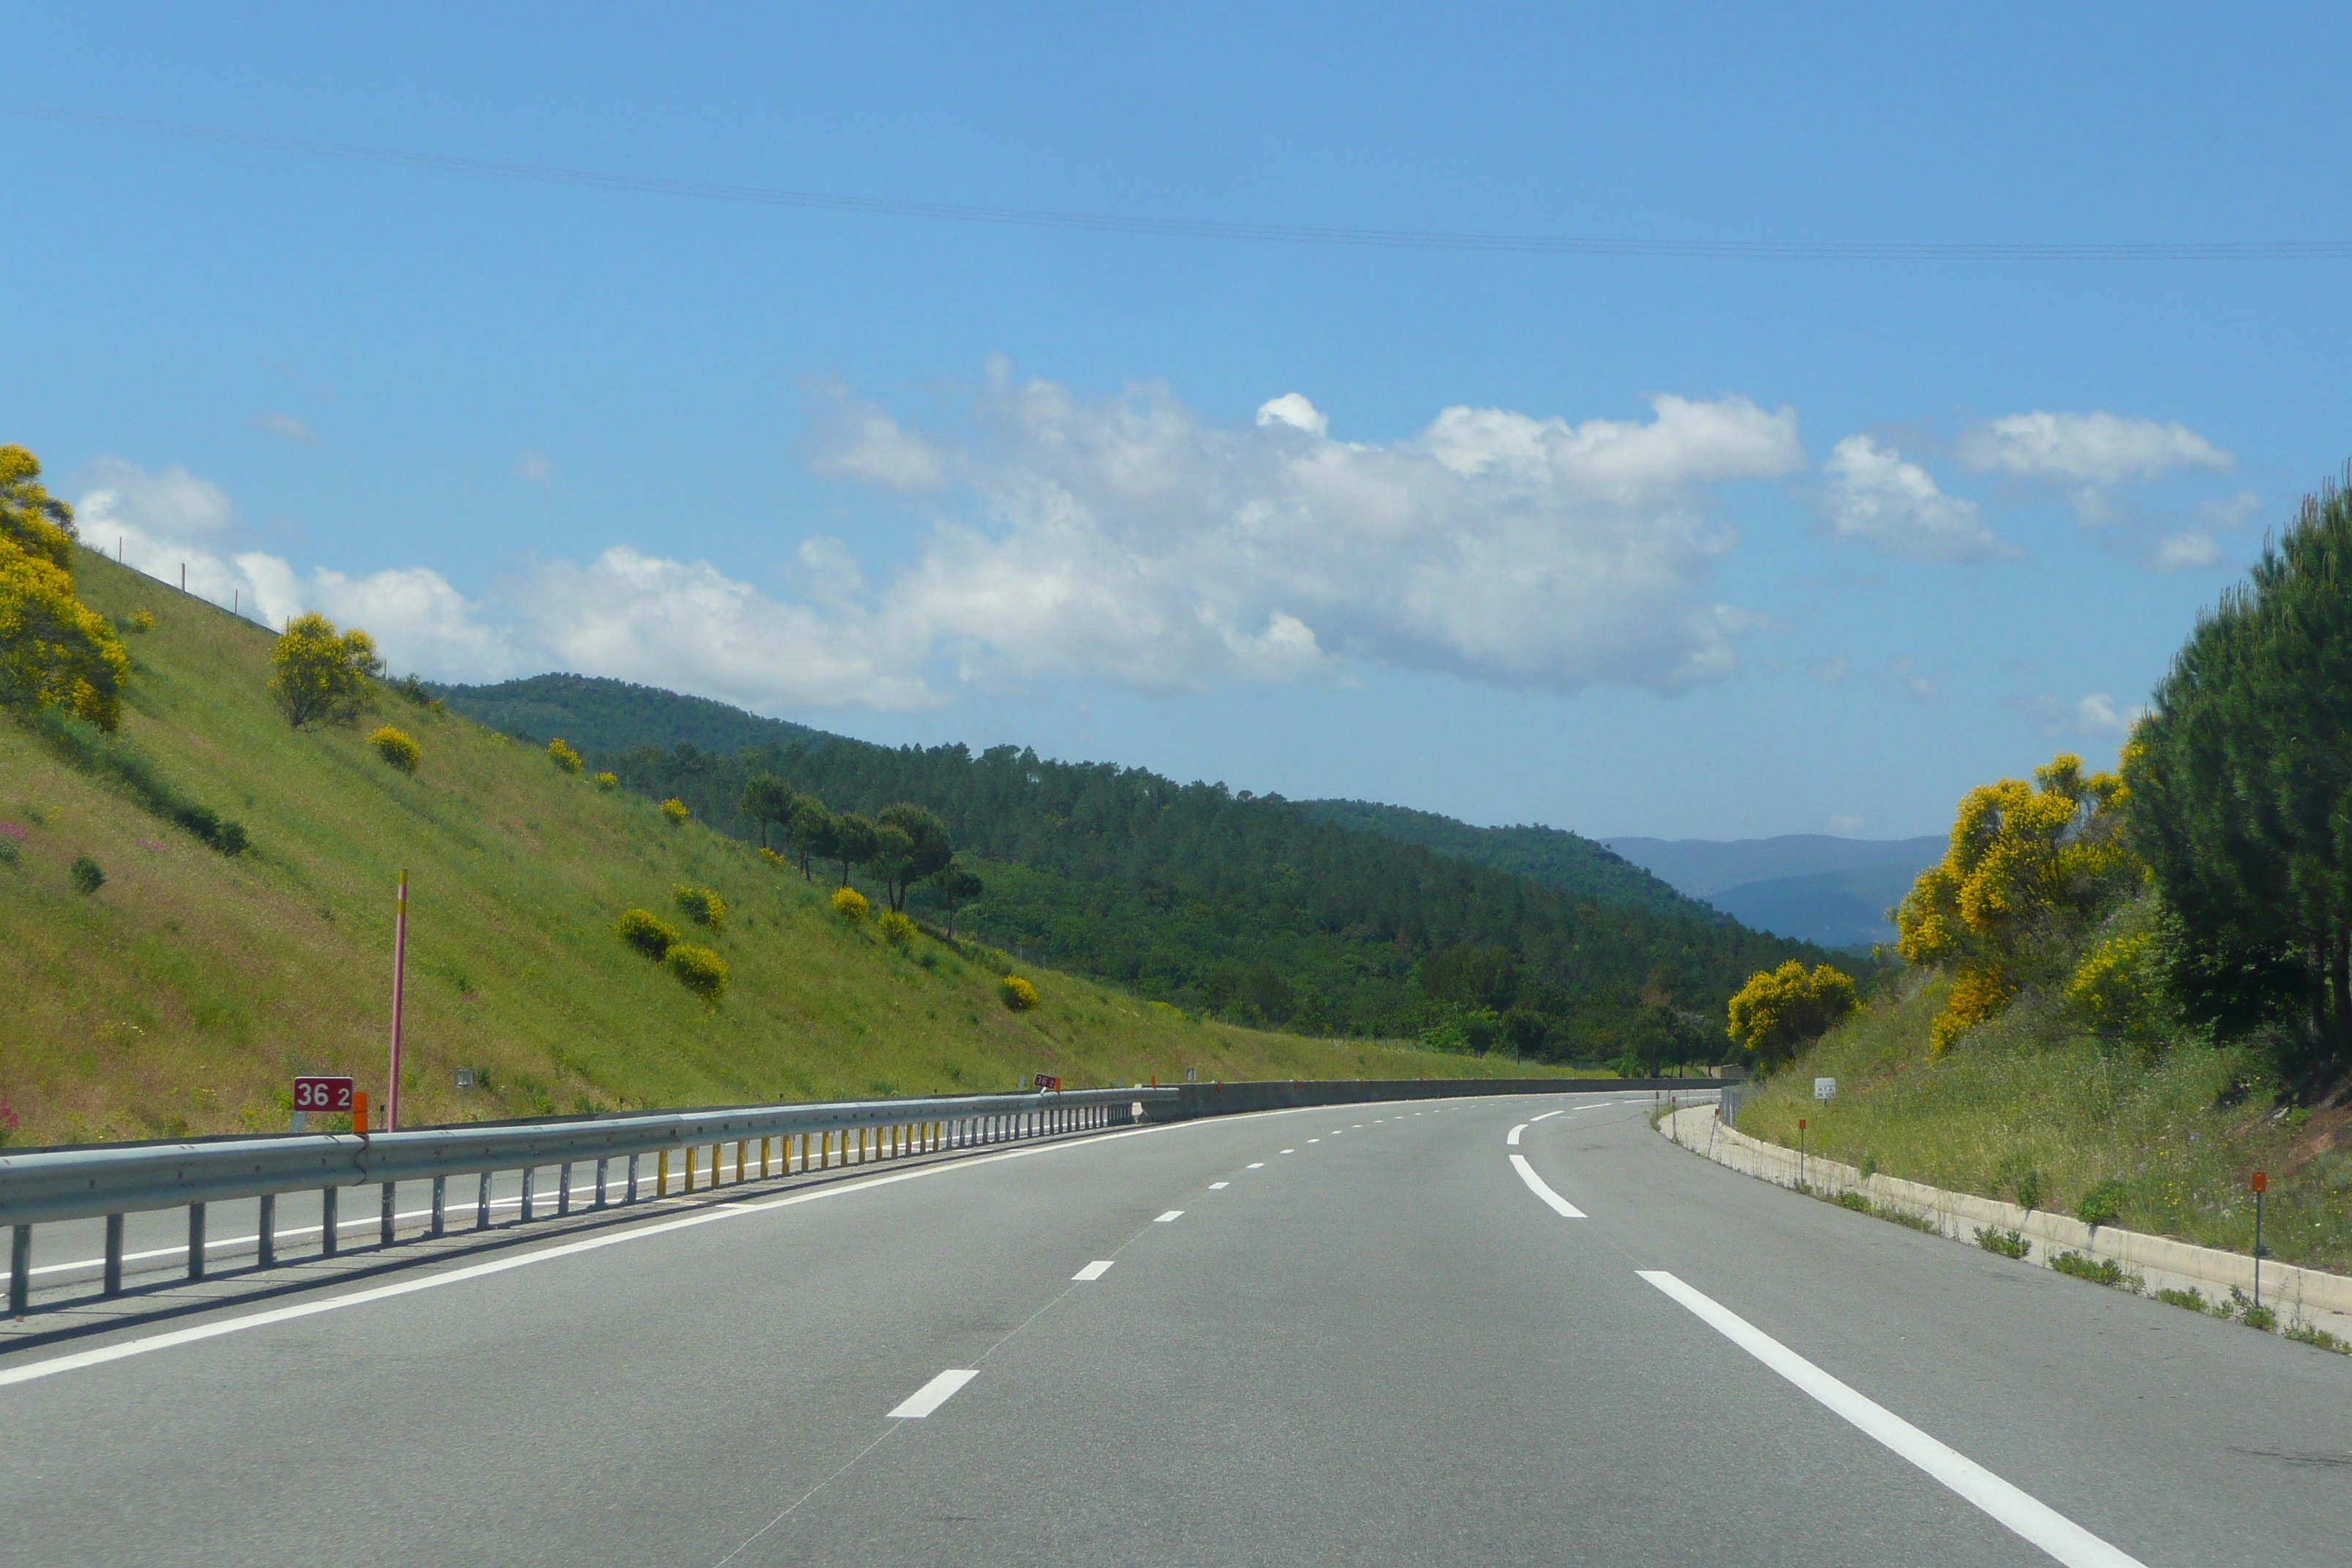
<point x="2027" y="1516"/>
<point x="1513" y="1140"/>
<point x="1171" y="1214"/>
<point x="1560" y="1205"/>
<point x="932" y="1394"/>
<point x="1095" y="1270"/>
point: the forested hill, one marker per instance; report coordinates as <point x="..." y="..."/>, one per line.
<point x="602" y="717"/>
<point x="1565" y="860"/>
<point x="1249" y="907"/>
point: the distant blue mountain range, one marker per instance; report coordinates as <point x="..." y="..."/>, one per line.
<point x="1808" y="886"/>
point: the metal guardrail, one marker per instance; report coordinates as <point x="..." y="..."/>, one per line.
<point x="47" y="1185"/>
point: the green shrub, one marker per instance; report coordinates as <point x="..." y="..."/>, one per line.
<point x="2008" y="1243"/>
<point x="702" y="906"/>
<point x="850" y="904"/>
<point x="1019" y="995"/>
<point x="698" y="968"/>
<point x="647" y="932"/>
<point x="85" y="875"/>
<point x="562" y="756"/>
<point x="2103" y="1204"/>
<point x="2097" y="1270"/>
<point x="2303" y="1332"/>
<point x="897" y="929"/>
<point x="396" y="747"/>
<point x="2190" y="1299"/>
<point x="7" y="851"/>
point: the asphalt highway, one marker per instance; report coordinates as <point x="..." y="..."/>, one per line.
<point x="1361" y="1335"/>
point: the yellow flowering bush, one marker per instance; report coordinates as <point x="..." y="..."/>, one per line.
<point x="142" y="620"/>
<point x="607" y="781"/>
<point x="850" y="904"/>
<point x="647" y="932"/>
<point x="698" y="968"/>
<point x="674" y="809"/>
<point x="702" y="906"/>
<point x="396" y="747"/>
<point x="1019" y="995"/>
<point x="2021" y="855"/>
<point x="1779" y="1009"/>
<point x="2112" y="987"/>
<point x="321" y="675"/>
<point x="562" y="756"/>
<point x="54" y="650"/>
<point x="897" y="929"/>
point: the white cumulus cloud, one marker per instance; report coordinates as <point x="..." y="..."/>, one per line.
<point x="1124" y="538"/>
<point x="171" y="522"/>
<point x="1119" y="539"/>
<point x="2094" y="449"/>
<point x="2094" y="716"/>
<point x="2088" y="455"/>
<point x="1872" y="494"/>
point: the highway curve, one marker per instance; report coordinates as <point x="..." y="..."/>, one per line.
<point x="1361" y="1335"/>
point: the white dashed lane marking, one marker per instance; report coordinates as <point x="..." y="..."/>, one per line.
<point x="934" y="1394"/>
<point x="1095" y="1270"/>
<point x="1171" y="1214"/>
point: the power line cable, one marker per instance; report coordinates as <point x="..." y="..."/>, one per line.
<point x="1218" y="229"/>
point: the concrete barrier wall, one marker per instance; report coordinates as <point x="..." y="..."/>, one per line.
<point x="2309" y="1296"/>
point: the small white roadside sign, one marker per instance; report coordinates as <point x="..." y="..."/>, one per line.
<point x="1825" y="1089"/>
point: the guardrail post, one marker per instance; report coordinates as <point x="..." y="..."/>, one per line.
<point x="384" y="1231"/>
<point x="688" y="1152"/>
<point x="632" y="1181"/>
<point x="529" y="1180"/>
<point x="265" y="1232"/>
<point x="440" y="1205"/>
<point x="482" y="1203"/>
<point x="113" y="1286"/>
<point x="603" y="1167"/>
<point x="20" y="1269"/>
<point x="329" y="1233"/>
<point x="195" y="1241"/>
<point x="661" y="1175"/>
<point x="563" y="1189"/>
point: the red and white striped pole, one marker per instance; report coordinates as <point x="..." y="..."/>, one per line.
<point x="399" y="969"/>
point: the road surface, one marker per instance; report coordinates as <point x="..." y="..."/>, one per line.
<point x="1364" y="1335"/>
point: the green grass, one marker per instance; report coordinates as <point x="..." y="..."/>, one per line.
<point x="2028" y="1103"/>
<point x="184" y="993"/>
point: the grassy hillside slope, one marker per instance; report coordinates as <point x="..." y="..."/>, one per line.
<point x="2032" y="1102"/>
<point x="185" y="992"/>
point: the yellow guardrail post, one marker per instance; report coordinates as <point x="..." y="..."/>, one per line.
<point x="661" y="1175"/>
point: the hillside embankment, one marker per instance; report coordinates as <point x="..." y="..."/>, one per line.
<point x="183" y="993"/>
<point x="2032" y="1108"/>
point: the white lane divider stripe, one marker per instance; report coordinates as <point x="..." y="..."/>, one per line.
<point x="1217" y="1186"/>
<point x="1257" y="1164"/>
<point x="1171" y="1214"/>
<point x="1560" y="1205"/>
<point x="1546" y="1116"/>
<point x="2029" y="1517"/>
<point x="1513" y="1140"/>
<point x="1095" y="1270"/>
<point x="934" y="1394"/>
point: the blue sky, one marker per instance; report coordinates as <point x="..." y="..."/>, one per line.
<point x="1677" y="547"/>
